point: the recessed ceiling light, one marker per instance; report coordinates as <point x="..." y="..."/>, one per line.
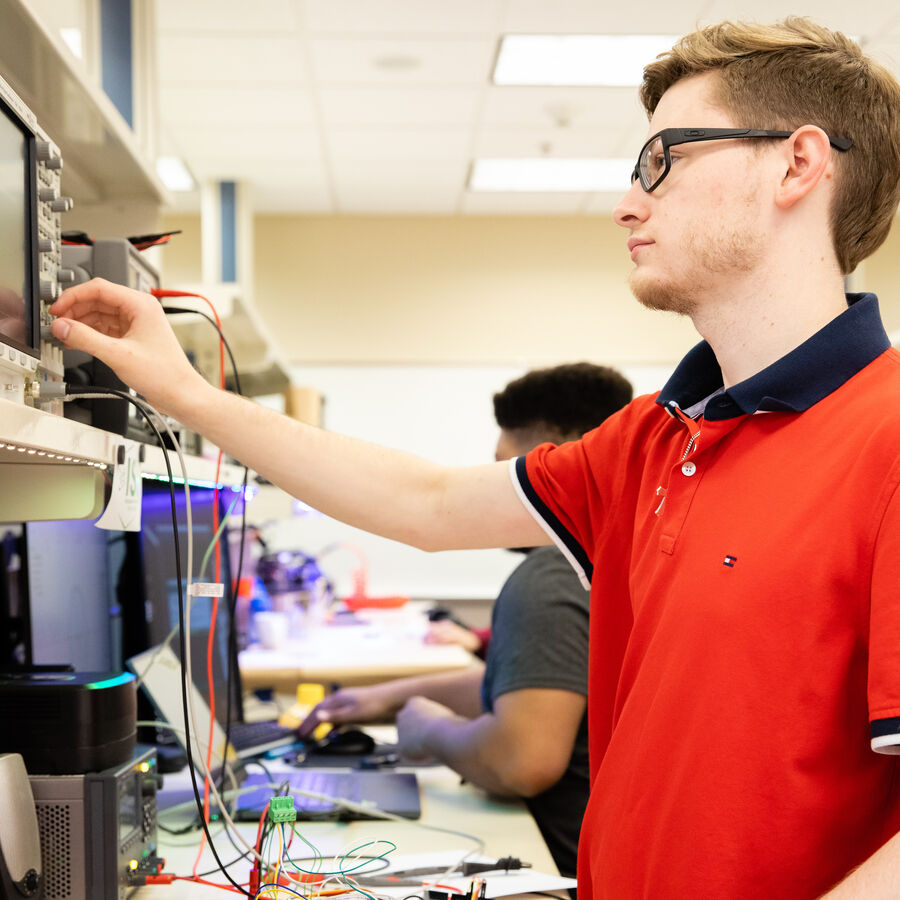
<point x="397" y="62"/>
<point x="577" y="59"/>
<point x="551" y="174"/>
<point x="174" y="174"/>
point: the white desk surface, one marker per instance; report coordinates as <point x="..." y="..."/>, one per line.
<point x="385" y="644"/>
<point x="506" y="828"/>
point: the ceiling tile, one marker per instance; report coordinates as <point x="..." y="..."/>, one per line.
<point x="440" y="173"/>
<point x="860" y="19"/>
<point x="548" y="106"/>
<point x="436" y="17"/>
<point x="428" y="186"/>
<point x="229" y="59"/>
<point x="286" y="94"/>
<point x="410" y="144"/>
<point x="387" y="107"/>
<point x="219" y="106"/>
<point x="270" y="196"/>
<point x="226" y="15"/>
<point x="239" y="142"/>
<point x="591" y="17"/>
<point x="413" y="63"/>
<point x="515" y="141"/>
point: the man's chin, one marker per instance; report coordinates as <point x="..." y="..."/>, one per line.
<point x="660" y="295"/>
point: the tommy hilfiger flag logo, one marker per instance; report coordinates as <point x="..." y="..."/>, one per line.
<point x="729" y="561"/>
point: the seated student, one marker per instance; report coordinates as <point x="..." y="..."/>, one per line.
<point x="515" y="726"/>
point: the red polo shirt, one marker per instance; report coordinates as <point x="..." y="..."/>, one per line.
<point x="743" y="550"/>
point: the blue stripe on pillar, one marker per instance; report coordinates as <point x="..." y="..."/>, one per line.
<point x="116" y="55"/>
<point x="228" y="216"/>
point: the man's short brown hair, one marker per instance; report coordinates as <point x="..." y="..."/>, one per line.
<point x="799" y="73"/>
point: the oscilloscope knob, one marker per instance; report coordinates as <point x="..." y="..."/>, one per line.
<point x="49" y="290"/>
<point x="48" y="152"/>
<point x="47" y="194"/>
<point x="45" y="245"/>
<point x="62" y="204"/>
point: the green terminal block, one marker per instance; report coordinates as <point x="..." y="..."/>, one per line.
<point x="281" y="809"/>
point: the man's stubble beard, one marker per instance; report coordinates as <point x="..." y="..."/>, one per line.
<point x="737" y="254"/>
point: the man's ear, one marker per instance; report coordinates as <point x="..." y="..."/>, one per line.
<point x="808" y="158"/>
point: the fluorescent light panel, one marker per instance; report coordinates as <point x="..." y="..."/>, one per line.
<point x="578" y="59"/>
<point x="549" y="174"/>
<point x="73" y="40"/>
<point x="174" y="174"/>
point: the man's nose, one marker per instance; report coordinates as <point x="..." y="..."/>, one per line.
<point x="632" y="208"/>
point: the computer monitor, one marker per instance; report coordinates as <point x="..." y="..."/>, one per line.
<point x="71" y="604"/>
<point x="57" y="600"/>
<point x="148" y="589"/>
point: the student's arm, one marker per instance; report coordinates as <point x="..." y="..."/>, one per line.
<point x="383" y="491"/>
<point x="446" y="631"/>
<point x="878" y="878"/>
<point x="520" y="749"/>
<point x="459" y="691"/>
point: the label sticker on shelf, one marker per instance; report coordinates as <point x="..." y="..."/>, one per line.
<point x="123" y="512"/>
<point x="207" y="589"/>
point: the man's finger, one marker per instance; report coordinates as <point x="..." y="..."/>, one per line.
<point x="77" y="336"/>
<point x="96" y="294"/>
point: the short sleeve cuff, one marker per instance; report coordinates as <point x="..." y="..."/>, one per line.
<point x="885" y="736"/>
<point x="551" y="525"/>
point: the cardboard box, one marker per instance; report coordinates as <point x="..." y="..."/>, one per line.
<point x="304" y="404"/>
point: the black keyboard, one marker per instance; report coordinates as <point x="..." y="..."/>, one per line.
<point x="257" y="734"/>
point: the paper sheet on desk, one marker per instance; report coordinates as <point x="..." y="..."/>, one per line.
<point x="499" y="884"/>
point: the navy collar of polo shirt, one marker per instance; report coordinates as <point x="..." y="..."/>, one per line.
<point x="797" y="381"/>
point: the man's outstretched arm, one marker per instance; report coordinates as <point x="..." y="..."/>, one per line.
<point x="878" y="878"/>
<point x="380" y="490"/>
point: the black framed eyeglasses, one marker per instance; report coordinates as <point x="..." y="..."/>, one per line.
<point x="655" y="161"/>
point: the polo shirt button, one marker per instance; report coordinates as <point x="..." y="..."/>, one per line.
<point x="688" y="469"/>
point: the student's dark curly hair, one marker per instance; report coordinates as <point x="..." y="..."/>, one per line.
<point x="568" y="400"/>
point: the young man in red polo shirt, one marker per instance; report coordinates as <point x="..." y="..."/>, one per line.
<point x="740" y="531"/>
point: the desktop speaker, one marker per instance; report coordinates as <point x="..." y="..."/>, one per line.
<point x="20" y="845"/>
<point x="68" y="723"/>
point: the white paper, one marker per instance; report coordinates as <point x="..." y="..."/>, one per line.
<point x="499" y="884"/>
<point x="123" y="512"/>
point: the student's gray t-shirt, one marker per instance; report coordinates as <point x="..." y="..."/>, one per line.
<point x="539" y="639"/>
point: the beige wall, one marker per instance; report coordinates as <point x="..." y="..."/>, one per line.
<point x="445" y="290"/>
<point x="464" y="290"/>
<point x="881" y="274"/>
